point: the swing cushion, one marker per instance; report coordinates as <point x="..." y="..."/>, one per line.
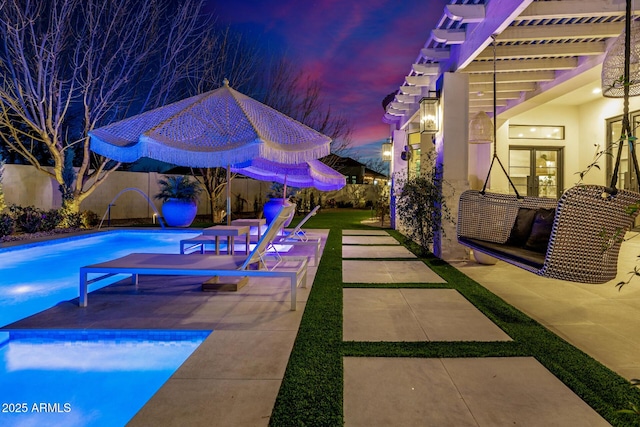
<point x="541" y="230"/>
<point x="522" y="227"/>
<point x="502" y="251"/>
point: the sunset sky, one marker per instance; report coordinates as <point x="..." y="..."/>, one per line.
<point x="359" y="50"/>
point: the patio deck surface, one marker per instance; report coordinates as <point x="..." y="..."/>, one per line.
<point x="233" y="378"/>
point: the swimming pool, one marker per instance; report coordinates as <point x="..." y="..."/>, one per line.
<point x="86" y="378"/>
<point x="34" y="277"/>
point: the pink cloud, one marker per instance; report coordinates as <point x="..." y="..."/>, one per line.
<point x="360" y="51"/>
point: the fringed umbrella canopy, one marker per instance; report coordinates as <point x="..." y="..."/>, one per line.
<point x="312" y="173"/>
<point x="217" y="128"/>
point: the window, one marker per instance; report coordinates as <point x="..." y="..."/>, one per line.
<point x="626" y="176"/>
<point x="536" y="132"/>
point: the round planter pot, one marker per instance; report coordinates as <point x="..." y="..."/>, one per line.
<point x="179" y="213"/>
<point x="484" y="258"/>
<point x="271" y="209"/>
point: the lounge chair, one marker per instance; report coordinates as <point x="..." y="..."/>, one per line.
<point x="205" y="264"/>
<point x="298" y="237"/>
<point x="298" y="233"/>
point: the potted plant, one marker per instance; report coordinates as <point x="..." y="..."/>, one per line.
<point x="179" y="195"/>
<point x="276" y="201"/>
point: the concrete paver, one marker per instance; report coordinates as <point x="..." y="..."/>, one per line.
<point x="414" y="315"/>
<point x="356" y="251"/>
<point x="364" y="233"/>
<point x="382" y="271"/>
<point x="369" y="240"/>
<point x="484" y="392"/>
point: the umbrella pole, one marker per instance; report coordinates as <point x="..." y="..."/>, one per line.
<point x="284" y="190"/>
<point x="228" y="194"/>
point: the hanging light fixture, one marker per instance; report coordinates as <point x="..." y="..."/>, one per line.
<point x="481" y="129"/>
<point x="613" y="66"/>
<point x="387" y="150"/>
<point x="429" y="113"/>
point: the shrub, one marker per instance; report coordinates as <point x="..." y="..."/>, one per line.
<point x="421" y="207"/>
<point x="7" y="225"/>
<point x="51" y="219"/>
<point x="28" y="219"/>
<point x="89" y="219"/>
<point x="71" y="219"/>
<point x="178" y="187"/>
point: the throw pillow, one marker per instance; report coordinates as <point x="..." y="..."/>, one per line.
<point x="541" y="230"/>
<point x="522" y="227"/>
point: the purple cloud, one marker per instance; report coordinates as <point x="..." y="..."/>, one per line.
<point x="360" y="51"/>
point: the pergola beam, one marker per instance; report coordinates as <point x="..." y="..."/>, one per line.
<point x="523" y="65"/>
<point x="418" y="80"/>
<point x="465" y="13"/>
<point x="431" y="69"/>
<point x="487" y="87"/>
<point x="435" y="54"/>
<point x="411" y="90"/>
<point x="406" y="98"/>
<point x="448" y="36"/>
<point x="573" y="9"/>
<point x="499" y="95"/>
<point x="561" y="32"/>
<point x="545" y="50"/>
<point x="525" y="76"/>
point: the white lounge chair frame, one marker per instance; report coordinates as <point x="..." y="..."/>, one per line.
<point x="298" y="233"/>
<point x="204" y="264"/>
<point x="298" y="237"/>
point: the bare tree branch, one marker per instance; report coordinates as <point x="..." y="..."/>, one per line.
<point x="67" y="66"/>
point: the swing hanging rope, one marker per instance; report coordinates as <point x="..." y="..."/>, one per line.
<point x="495" y="132"/>
<point x="625" y="134"/>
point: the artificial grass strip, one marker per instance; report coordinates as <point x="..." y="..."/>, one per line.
<point x="433" y="349"/>
<point x="398" y="285"/>
<point x="312" y="390"/>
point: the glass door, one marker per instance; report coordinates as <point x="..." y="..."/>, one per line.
<point x="536" y="171"/>
<point x="626" y="176"/>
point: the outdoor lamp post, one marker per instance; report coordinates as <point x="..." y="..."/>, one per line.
<point x="429" y="113"/>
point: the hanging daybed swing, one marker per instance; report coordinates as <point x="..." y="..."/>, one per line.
<point x="577" y="238"/>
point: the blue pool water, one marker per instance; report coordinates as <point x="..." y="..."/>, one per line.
<point x="85" y="378"/>
<point x="35" y="277"/>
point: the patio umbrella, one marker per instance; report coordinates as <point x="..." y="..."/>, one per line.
<point x="218" y="128"/>
<point x="312" y="173"/>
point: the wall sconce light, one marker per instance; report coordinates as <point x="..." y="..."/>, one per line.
<point x="430" y="113"/>
<point x="387" y="151"/>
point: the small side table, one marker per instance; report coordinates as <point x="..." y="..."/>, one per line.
<point x="251" y="222"/>
<point x="213" y="234"/>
